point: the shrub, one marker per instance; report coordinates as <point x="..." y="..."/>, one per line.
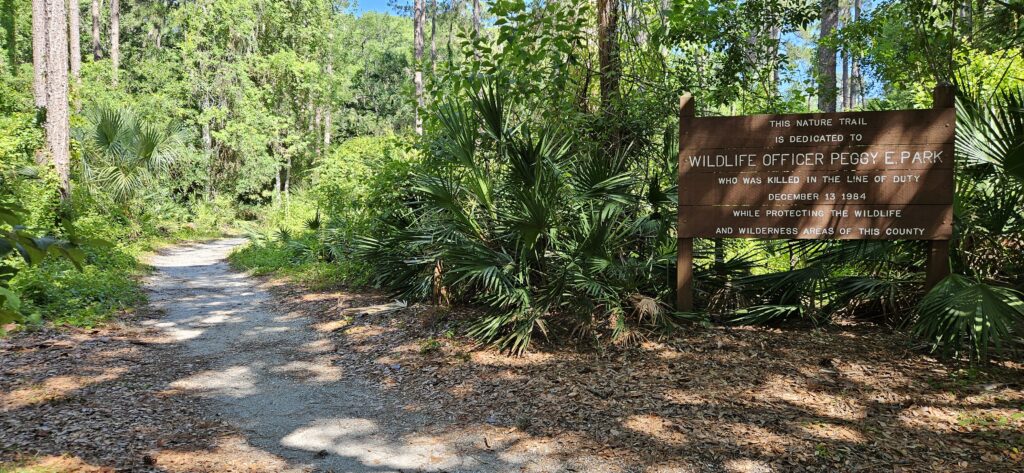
<point x="532" y="222"/>
<point x="361" y="182"/>
<point x="61" y="293"/>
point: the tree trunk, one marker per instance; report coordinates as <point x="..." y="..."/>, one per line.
<point x="457" y="8"/>
<point x="11" y="34"/>
<point x="315" y="129"/>
<point x="207" y="138"/>
<point x="74" y="42"/>
<point x="846" y="79"/>
<point x="433" y="36"/>
<point x="417" y="22"/>
<point x="277" y="186"/>
<point x="287" y="186"/>
<point x="844" y="55"/>
<point x="608" y="61"/>
<point x="856" y="86"/>
<point x="115" y="38"/>
<point x="827" y="57"/>
<point x="776" y="47"/>
<point x="97" y="51"/>
<point x="328" y="112"/>
<point x="476" y="18"/>
<point x="57" y="126"/>
<point x="608" y="53"/>
<point x="39" y="52"/>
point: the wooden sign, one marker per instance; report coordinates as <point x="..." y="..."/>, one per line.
<point x="874" y="175"/>
<point x="854" y="175"/>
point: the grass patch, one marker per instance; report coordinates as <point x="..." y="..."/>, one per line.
<point x="56" y="291"/>
<point x="107" y="284"/>
<point x="990" y="420"/>
<point x="430" y="346"/>
<point x="301" y="260"/>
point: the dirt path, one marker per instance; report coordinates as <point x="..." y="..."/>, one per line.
<point x="278" y="381"/>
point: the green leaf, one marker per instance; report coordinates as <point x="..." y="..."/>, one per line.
<point x="10" y="307"/>
<point x="962" y="316"/>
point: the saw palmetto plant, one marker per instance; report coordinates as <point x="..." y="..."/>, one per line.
<point x="122" y="155"/>
<point x="545" y="231"/>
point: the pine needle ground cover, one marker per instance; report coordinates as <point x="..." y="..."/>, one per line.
<point x="846" y="398"/>
<point x="97" y="401"/>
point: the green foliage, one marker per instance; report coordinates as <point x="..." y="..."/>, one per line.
<point x="527" y="220"/>
<point x="84" y="298"/>
<point x="123" y="155"/>
<point x="18" y="244"/>
<point x="312" y="257"/>
<point x="737" y="43"/>
<point x="360" y="179"/>
<point x="989" y="208"/>
<point x="961" y="316"/>
<point x="992" y="132"/>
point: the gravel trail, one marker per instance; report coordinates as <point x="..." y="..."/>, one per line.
<point x="277" y="380"/>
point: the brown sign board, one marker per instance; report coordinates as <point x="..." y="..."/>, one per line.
<point x="853" y="175"/>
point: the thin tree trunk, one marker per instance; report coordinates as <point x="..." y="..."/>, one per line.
<point x="418" y="60"/>
<point x="457" y="9"/>
<point x="39" y="52"/>
<point x="433" y="36"/>
<point x="57" y="125"/>
<point x="476" y="27"/>
<point x="776" y="46"/>
<point x="11" y="34"/>
<point x="827" y="57"/>
<point x="844" y="18"/>
<point x="328" y="113"/>
<point x="207" y="137"/>
<point x="74" y="41"/>
<point x="97" y="51"/>
<point x="115" y="37"/>
<point x="315" y="128"/>
<point x="277" y="187"/>
<point x="856" y="86"/>
<point x="287" y="186"/>
<point x="608" y="60"/>
<point x="476" y="17"/>
<point x="846" y="79"/>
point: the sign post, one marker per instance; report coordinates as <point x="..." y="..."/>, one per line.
<point x="943" y="96"/>
<point x="684" y="260"/>
<point x="850" y="175"/>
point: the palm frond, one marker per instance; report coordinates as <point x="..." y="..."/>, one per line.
<point x="992" y="133"/>
<point x="961" y="316"/>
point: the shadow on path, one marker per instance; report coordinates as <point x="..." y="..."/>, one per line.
<point x="276" y="379"/>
